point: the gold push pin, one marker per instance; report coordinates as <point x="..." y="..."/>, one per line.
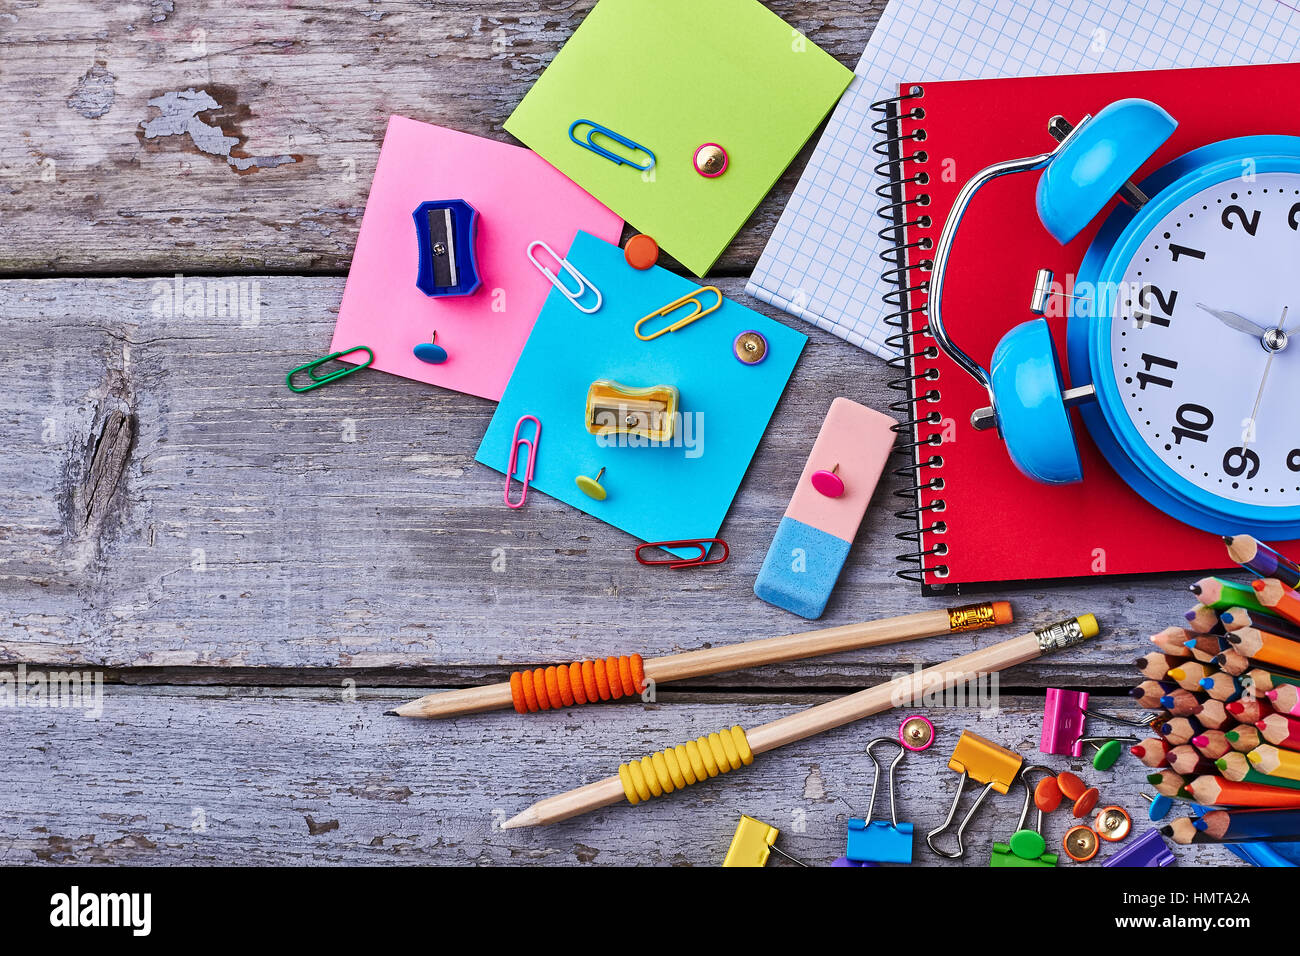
<point x="711" y="160"/>
<point x="591" y="487"/>
<point x="750" y="347"/>
<point x="1081" y="843"/>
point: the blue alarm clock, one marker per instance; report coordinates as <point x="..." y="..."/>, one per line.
<point x="1179" y="333"/>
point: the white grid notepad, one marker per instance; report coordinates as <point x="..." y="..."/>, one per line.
<point x="823" y="262"/>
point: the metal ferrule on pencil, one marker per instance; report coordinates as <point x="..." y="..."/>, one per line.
<point x="1060" y="635"/>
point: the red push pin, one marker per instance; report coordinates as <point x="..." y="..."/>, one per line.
<point x="828" y="483"/>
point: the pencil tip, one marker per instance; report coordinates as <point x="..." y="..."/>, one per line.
<point x="391" y="713"/>
<point x="524" y="819"/>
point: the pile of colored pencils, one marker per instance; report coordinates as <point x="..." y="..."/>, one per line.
<point x="1228" y="682"/>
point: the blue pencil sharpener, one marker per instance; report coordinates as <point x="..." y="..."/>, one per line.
<point x="446" y="230"/>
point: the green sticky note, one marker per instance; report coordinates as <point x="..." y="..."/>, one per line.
<point x="672" y="75"/>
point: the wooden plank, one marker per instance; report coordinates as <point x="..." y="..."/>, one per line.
<point x="250" y="527"/>
<point x="244" y="137"/>
<point x="224" y="776"/>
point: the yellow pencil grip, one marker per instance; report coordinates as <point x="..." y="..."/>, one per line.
<point x="685" y="764"/>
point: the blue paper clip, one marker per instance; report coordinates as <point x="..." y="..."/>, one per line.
<point x="512" y="465"/>
<point x="876" y="840"/>
<point x="573" y="295"/>
<point x="589" y="143"/>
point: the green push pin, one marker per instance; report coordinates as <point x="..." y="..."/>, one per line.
<point x="1107" y="752"/>
<point x="591" y="487"/>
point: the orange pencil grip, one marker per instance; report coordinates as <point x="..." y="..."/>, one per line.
<point x="582" y="682"/>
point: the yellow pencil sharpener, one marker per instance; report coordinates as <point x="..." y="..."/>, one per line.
<point x="614" y="409"/>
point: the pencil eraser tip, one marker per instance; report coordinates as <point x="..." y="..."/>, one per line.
<point x="1002" y="612"/>
<point x="1088" y="624"/>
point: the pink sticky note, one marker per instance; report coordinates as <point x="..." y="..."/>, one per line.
<point x="519" y="198"/>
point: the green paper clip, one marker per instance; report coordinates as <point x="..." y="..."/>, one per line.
<point x="318" y="380"/>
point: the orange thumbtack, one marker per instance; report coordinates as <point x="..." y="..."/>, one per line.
<point x="641" y="251"/>
<point x="1113" y="824"/>
<point x="1047" y="795"/>
<point x="1071" y="786"/>
<point x="1087" y="800"/>
<point x="1081" y="843"/>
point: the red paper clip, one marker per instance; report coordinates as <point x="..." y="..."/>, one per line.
<point x="676" y="562"/>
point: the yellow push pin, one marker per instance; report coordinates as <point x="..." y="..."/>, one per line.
<point x="591" y="487"/>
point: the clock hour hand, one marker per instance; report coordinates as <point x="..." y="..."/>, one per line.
<point x="1234" y="321"/>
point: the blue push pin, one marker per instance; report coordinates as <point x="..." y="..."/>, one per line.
<point x="876" y="840"/>
<point x="431" y="352"/>
<point x="1159" y="805"/>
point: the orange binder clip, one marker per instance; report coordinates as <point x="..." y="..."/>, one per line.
<point x="984" y="762"/>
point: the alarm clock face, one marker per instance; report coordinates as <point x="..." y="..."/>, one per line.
<point x="1205" y="338"/>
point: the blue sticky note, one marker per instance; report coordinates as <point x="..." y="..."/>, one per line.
<point x="671" y="491"/>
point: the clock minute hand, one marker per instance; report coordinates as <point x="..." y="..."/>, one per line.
<point x="1234" y="321"/>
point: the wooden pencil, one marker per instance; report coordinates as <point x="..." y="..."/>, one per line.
<point x="1237" y="766"/>
<point x="1278" y="598"/>
<point x="1266" y="648"/>
<point x="1173" y="641"/>
<point x="1205" y="647"/>
<point x="1168" y="783"/>
<point x="1232" y="662"/>
<point x="1280" y="730"/>
<point x="1148" y="693"/>
<point x="1185" y="761"/>
<point x="1153" y="751"/>
<point x="1261" y="560"/>
<point x="1155" y="664"/>
<point x="1221" y="594"/>
<point x="1213" y="790"/>
<point x="729" y="657"/>
<point x="1243" y="738"/>
<point x="1181" y="703"/>
<point x="1275" y="762"/>
<point x="1212" y="745"/>
<point x="653" y="775"/>
<point x="1214" y="714"/>
<point x="1188" y="674"/>
<point x="1245" y="710"/>
<point x="1263" y="681"/>
<point x="1180" y="730"/>
<point x="1183" y="832"/>
<point x="1234" y="619"/>
<point x="1203" y="620"/>
<point x="1248" y="826"/>
<point x="1285" y="699"/>
<point x="1222" y="686"/>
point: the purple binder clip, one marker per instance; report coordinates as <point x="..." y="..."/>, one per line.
<point x="1147" y="850"/>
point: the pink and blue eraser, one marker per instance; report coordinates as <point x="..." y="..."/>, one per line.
<point x="813" y="539"/>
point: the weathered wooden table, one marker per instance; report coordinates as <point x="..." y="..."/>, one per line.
<point x="259" y="575"/>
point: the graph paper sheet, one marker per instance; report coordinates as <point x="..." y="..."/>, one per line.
<point x="823" y="262"/>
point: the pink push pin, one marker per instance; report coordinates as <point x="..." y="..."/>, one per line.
<point x="711" y="160"/>
<point x="916" y="733"/>
<point x="828" y="483"/>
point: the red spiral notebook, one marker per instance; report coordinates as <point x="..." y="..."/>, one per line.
<point x="998" y="524"/>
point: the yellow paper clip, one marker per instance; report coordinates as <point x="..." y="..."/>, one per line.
<point x="690" y="297"/>
<point x="752" y="844"/>
<point x="984" y="762"/>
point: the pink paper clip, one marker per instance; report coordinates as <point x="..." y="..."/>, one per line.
<point x="1064" y="714"/>
<point x="513" y="464"/>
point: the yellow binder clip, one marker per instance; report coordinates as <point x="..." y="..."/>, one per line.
<point x="984" y="762"/>
<point x="614" y="409"/>
<point x="753" y="842"/>
<point x="691" y="298"/>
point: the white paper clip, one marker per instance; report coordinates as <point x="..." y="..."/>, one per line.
<point x="572" y="295"/>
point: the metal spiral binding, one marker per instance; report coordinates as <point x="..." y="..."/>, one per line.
<point x="901" y="215"/>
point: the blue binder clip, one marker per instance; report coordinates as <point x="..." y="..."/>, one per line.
<point x="875" y="840"/>
<point x="589" y="142"/>
<point x="445" y="230"/>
